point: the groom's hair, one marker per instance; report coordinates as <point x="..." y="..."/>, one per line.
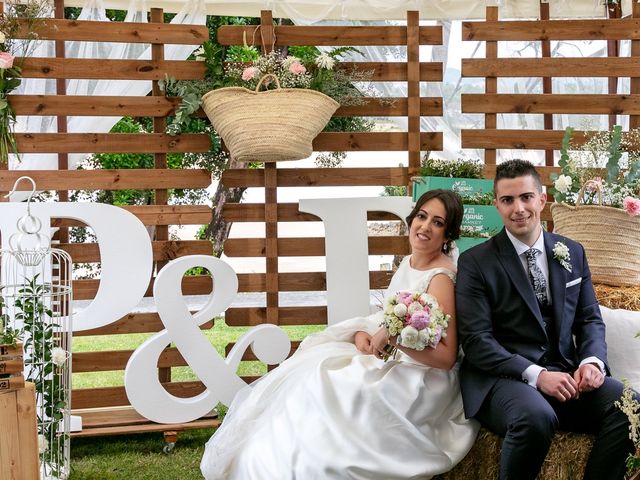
<point x="517" y="168"/>
<point x="452" y="205"/>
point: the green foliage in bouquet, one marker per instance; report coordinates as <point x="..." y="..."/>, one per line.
<point x="608" y="161"/>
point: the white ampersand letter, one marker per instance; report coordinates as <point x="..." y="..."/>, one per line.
<point x="269" y="343"/>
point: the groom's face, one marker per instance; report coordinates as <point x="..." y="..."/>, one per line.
<point x="519" y="203"/>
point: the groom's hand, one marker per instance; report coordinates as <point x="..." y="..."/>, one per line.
<point x="588" y="377"/>
<point x="559" y="385"/>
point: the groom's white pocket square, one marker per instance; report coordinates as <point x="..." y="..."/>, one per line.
<point x="573" y="282"/>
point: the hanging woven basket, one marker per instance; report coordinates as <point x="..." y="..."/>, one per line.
<point x="271" y="125"/>
<point x="610" y="236"/>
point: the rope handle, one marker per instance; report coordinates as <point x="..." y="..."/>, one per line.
<point x="598" y="188"/>
<point x="264" y="77"/>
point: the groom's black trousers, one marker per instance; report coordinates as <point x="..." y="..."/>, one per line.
<point x="528" y="420"/>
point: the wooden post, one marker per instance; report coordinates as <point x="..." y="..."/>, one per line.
<point x="613" y="50"/>
<point x="270" y="198"/>
<point x="547" y="82"/>
<point x="634" y="120"/>
<point x="160" y="160"/>
<point x="491" y="86"/>
<point x="413" y="94"/>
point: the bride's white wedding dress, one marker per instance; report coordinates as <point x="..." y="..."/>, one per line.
<point x="330" y="412"/>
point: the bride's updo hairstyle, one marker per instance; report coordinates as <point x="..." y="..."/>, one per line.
<point x="452" y="205"/>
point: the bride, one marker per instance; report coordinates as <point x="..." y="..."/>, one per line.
<point x="336" y="410"/>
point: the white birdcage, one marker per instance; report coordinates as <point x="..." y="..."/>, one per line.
<point x="36" y="299"/>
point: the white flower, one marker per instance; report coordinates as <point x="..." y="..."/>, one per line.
<point x="325" y="61"/>
<point x="42" y="444"/>
<point x="561" y="254"/>
<point x="400" y="310"/>
<point x="58" y="356"/>
<point x="563" y="183"/>
<point x="414" y="307"/>
<point x="2" y="37"/>
<point x="409" y="337"/>
<point x="426" y="299"/>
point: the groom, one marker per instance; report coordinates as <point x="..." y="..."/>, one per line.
<point x="534" y="341"/>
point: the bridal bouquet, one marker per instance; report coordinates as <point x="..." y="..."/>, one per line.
<point x="416" y="318"/>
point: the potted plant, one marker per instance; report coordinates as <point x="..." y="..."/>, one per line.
<point x="268" y="107"/>
<point x="464" y="176"/>
<point x="597" y="202"/>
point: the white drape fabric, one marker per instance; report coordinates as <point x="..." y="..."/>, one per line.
<point x="316" y="10"/>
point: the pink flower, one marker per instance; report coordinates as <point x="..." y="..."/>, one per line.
<point x="405" y="297"/>
<point x="6" y="60"/>
<point x="631" y="206"/>
<point x="249" y="73"/>
<point x="419" y="320"/>
<point x="297" y="68"/>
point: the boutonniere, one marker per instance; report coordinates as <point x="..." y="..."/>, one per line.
<point x="561" y="254"/>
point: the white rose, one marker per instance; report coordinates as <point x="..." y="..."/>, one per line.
<point x="409" y="337"/>
<point x="58" y="356"/>
<point x="415" y="307"/>
<point x="400" y="310"/>
<point x="423" y="338"/>
<point x="563" y="183"/>
<point x="2" y="37"/>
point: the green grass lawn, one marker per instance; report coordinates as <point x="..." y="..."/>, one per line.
<point x="140" y="456"/>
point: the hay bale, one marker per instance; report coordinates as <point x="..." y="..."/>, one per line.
<point x="566" y="459"/>
<point x="626" y="298"/>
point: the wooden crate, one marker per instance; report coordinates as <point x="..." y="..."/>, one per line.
<point x="18" y="435"/>
<point x="11" y="368"/>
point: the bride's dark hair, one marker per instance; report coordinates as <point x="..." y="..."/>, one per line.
<point x="452" y="205"/>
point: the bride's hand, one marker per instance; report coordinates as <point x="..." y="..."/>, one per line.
<point x="379" y="340"/>
<point x="363" y="342"/>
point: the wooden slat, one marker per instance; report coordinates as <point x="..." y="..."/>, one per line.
<point x="373" y="141"/>
<point x="531" y="30"/>
<point x="148" y="427"/>
<point x="104" y="361"/>
<point x="300" y="247"/>
<point x="287" y="212"/>
<point x="127" y="32"/>
<point x="90" y="105"/>
<point x="516" y="139"/>
<point x="107" y="179"/>
<point x="545" y="173"/>
<point x="317" y="177"/>
<point x="111" y="143"/>
<point x="81" y="68"/>
<point x="551" y="103"/>
<point x="328" y="35"/>
<point x="157" y="215"/>
<point x="390" y="107"/>
<point x="240" y="317"/>
<point x="133" y="323"/>
<point x="550" y="67"/>
<point x="162" y="250"/>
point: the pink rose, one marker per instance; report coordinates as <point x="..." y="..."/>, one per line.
<point x="631" y="206"/>
<point x="249" y="73"/>
<point x="297" y="68"/>
<point x="405" y="298"/>
<point x="419" y="320"/>
<point x="6" y="60"/>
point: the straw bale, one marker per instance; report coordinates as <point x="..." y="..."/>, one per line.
<point x="566" y="459"/>
<point x="626" y="298"/>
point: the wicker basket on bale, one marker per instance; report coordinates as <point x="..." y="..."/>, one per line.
<point x="270" y="125"/>
<point x="610" y="236"/>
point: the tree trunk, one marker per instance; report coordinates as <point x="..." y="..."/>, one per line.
<point x="218" y="230"/>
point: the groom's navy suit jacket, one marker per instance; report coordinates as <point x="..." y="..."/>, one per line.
<point x="500" y="324"/>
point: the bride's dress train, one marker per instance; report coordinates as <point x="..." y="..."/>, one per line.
<point x="330" y="412"/>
